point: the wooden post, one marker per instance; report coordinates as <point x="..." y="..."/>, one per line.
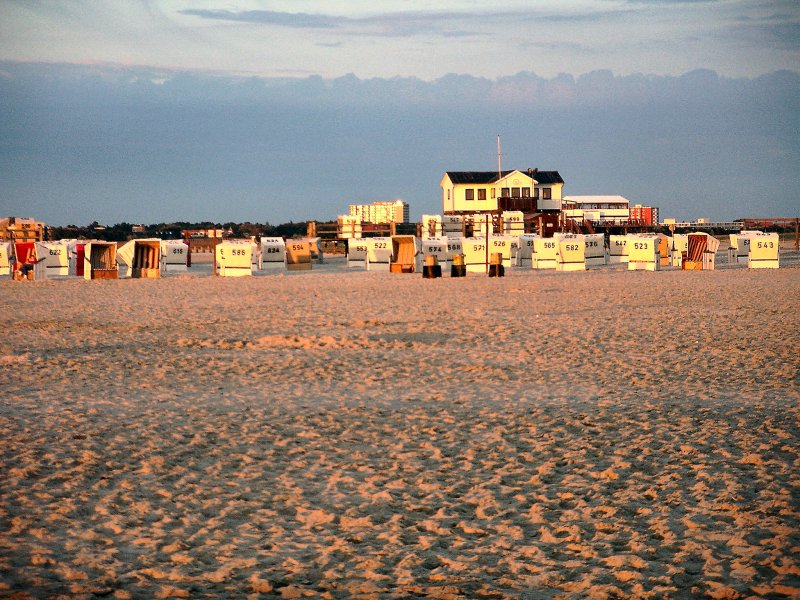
<point x="431" y="269"/>
<point x="187" y="240"/>
<point x="311" y="229"/>
<point x="487" y="243"/>
<point x="392" y="228"/>
<point x="496" y="267"/>
<point x="797" y="235"/>
<point x="214" y="251"/>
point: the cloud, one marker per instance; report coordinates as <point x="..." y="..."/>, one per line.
<point x="137" y="145"/>
<point x="408" y="23"/>
<point x="584" y="18"/>
<point x="268" y="17"/>
<point x="736" y="37"/>
<point x="781" y="35"/>
<point x="401" y="24"/>
<point x="664" y="2"/>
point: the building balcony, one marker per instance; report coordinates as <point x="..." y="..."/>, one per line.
<point x="527" y="205"/>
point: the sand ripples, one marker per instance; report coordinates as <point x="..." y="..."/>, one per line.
<point x="551" y="441"/>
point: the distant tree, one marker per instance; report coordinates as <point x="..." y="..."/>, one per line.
<point x="248" y="229"/>
<point x="121" y="232"/>
<point x="68" y="233"/>
<point x="292" y="229"/>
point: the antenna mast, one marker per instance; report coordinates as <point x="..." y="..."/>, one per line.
<point x="499" y="164"/>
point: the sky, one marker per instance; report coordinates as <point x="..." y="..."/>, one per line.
<point x="162" y="110"/>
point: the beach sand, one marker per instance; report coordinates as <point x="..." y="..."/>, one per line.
<point x="334" y="434"/>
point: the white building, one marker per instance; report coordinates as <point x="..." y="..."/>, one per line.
<point x="395" y="211"/>
<point x="611" y="210"/>
<point x="469" y="192"/>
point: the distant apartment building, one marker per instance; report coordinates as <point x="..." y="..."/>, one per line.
<point x="395" y="211"/>
<point x="611" y="210"/>
<point x="644" y="215"/>
<point x="21" y="229"/>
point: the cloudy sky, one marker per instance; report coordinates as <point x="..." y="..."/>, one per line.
<point x="409" y="38"/>
<point x="269" y="111"/>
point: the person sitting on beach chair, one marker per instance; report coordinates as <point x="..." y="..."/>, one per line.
<point x="25" y="267"/>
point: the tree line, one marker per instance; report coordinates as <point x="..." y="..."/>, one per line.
<point x="122" y="232"/>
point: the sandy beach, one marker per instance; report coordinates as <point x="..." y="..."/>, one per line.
<point x="335" y="434"/>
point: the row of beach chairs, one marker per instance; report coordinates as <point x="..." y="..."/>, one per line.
<point x="564" y="252"/>
<point x="401" y="254"/>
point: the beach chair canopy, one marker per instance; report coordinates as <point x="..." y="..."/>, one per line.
<point x="53" y="259"/>
<point x="545" y="253"/>
<point x="431" y="226"/>
<point x="434" y="246"/>
<point x="595" y="251"/>
<point x="234" y="258"/>
<point x="100" y="260"/>
<point x="453" y="226"/>
<point x="404" y="253"/>
<point x="379" y="253"/>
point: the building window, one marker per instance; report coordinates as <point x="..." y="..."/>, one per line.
<point x="546" y="193"/>
<point x="515" y="193"/>
<point x="494" y="192"/>
<point x="536" y="193"/>
<point x="505" y="193"/>
<point x="469" y="194"/>
<point x="526" y="192"/>
<point x="481" y="194"/>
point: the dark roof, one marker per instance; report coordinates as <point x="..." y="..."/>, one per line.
<point x="484" y="177"/>
<point x="474" y="176"/>
<point x="548" y="177"/>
